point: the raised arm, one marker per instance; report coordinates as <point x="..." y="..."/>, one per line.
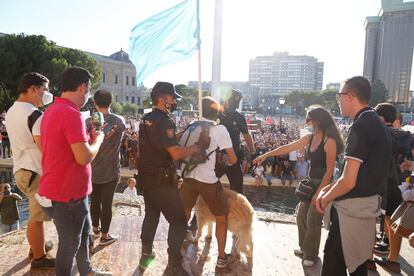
<point x="298" y="144"/>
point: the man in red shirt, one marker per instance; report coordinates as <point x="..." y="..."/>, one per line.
<point x="66" y="178"/>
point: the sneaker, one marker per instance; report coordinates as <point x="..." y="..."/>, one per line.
<point x="108" y="240"/>
<point x="96" y="232"/>
<point x="175" y="269"/>
<point x="389" y="265"/>
<point x="298" y="252"/>
<point x="379" y="237"/>
<point x="381" y="249"/>
<point x="223" y="262"/>
<point x="308" y="263"/>
<point x="371" y="265"/>
<point x="46" y="262"/>
<point x="48" y="246"/>
<point x="146" y="260"/>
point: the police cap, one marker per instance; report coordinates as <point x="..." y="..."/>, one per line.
<point x="164" y="88"/>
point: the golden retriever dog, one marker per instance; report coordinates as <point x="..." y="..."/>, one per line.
<point x="240" y="220"/>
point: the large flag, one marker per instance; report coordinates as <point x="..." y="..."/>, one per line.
<point x="165" y="38"/>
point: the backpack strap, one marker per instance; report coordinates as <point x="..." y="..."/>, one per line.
<point x="31" y="120"/>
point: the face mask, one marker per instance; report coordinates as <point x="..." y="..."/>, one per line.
<point x="171" y="107"/>
<point x="310" y="129"/>
<point x="87" y="96"/>
<point x="47" y="98"/>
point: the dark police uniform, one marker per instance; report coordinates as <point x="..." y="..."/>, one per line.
<point x="157" y="178"/>
<point x="235" y="124"/>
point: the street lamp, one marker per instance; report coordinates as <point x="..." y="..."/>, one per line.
<point x="281" y="103"/>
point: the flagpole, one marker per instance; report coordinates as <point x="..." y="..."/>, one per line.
<point x="216" y="74"/>
<point x="200" y="88"/>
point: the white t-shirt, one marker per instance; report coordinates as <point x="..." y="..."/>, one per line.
<point x="259" y="171"/>
<point x="130" y="192"/>
<point x="293" y="155"/>
<point x="26" y="155"/>
<point x="219" y="138"/>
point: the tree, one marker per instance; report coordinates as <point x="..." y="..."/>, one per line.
<point x="147" y="103"/>
<point x="379" y="93"/>
<point x="117" y="108"/>
<point x="329" y="100"/>
<point x="130" y="108"/>
<point x="20" y="54"/>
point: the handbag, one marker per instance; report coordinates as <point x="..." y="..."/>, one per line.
<point x="403" y="219"/>
<point x="306" y="189"/>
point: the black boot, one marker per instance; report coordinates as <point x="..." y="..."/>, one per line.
<point x="175" y="268"/>
<point x="147" y="256"/>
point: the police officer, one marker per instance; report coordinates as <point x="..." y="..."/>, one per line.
<point x="235" y="124"/>
<point x="158" y="147"/>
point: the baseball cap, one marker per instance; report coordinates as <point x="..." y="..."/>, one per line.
<point x="164" y="88"/>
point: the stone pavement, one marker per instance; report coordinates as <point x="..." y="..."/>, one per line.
<point x="273" y="251"/>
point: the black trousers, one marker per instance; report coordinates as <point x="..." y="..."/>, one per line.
<point x="6" y="145"/>
<point x="333" y="259"/>
<point x="163" y="197"/>
<point x="101" y="204"/>
<point x="234" y="174"/>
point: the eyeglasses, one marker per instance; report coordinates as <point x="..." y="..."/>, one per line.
<point x="339" y="94"/>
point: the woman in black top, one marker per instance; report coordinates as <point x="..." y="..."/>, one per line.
<point x="323" y="144"/>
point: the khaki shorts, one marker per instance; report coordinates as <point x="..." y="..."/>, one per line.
<point x="22" y="177"/>
<point x="212" y="194"/>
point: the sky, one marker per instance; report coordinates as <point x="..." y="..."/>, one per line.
<point x="331" y="30"/>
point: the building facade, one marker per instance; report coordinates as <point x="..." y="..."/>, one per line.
<point x="118" y="77"/>
<point x="277" y="75"/>
<point x="389" y="42"/>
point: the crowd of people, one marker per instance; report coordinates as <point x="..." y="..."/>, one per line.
<point x="60" y="160"/>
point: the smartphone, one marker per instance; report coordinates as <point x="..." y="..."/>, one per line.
<point x="107" y="129"/>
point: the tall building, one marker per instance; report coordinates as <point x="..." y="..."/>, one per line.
<point x="118" y="77"/>
<point x="282" y="73"/>
<point x="389" y="42"/>
<point x="242" y="86"/>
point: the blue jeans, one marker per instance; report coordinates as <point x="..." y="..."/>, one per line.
<point x="73" y="226"/>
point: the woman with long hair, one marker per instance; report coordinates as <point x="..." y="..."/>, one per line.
<point x="324" y="143"/>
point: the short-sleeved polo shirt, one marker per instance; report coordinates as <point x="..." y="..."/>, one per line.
<point x="156" y="134"/>
<point x="369" y="143"/>
<point x="63" y="178"/>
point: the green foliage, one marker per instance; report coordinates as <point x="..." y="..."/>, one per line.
<point x="147" y="103"/>
<point x="129" y="108"/>
<point x="301" y="100"/>
<point x="190" y="96"/>
<point x="379" y="93"/>
<point x="117" y="108"/>
<point x="20" y="54"/>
